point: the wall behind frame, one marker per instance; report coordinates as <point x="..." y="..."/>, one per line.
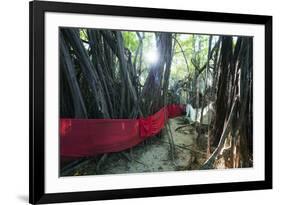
<point x="14" y="99"/>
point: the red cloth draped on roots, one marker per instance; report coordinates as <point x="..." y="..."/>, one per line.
<point x="89" y="137"/>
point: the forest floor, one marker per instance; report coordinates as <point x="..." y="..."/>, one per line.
<point x="153" y="155"/>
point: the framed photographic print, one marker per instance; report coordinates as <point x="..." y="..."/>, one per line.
<point x="140" y="102"/>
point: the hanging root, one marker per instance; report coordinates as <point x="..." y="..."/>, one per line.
<point x="209" y="164"/>
<point x="171" y="142"/>
<point x="100" y="162"/>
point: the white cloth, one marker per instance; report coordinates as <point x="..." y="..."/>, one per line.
<point x="207" y="113"/>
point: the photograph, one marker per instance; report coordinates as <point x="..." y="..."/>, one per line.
<point x="135" y="101"/>
<point x="132" y="102"/>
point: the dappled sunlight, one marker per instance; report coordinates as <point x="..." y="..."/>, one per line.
<point x="152" y="56"/>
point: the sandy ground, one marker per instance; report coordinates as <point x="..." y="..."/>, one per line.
<point x="153" y="155"/>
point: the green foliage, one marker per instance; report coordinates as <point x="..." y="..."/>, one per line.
<point x="130" y="40"/>
<point x="83" y="34"/>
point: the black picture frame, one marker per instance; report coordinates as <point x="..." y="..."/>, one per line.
<point x="37" y="11"/>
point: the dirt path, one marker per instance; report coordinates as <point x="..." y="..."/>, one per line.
<point x="150" y="156"/>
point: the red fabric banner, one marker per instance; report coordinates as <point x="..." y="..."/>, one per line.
<point x="89" y="137"/>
